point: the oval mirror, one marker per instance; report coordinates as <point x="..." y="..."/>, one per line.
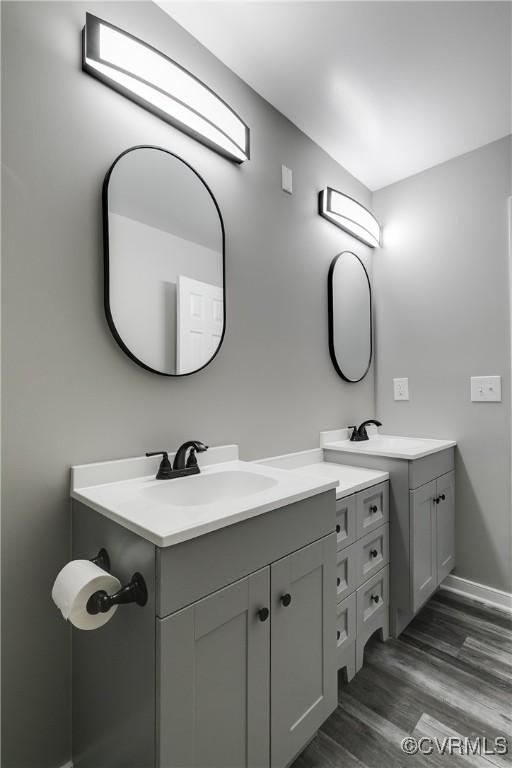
<point x="164" y="262"/>
<point x="350" y="316"/>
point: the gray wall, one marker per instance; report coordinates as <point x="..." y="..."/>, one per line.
<point x="442" y="315"/>
<point x="69" y="394"/>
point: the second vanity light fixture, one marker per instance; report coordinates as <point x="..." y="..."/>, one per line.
<point x="349" y="215"/>
<point x="151" y="79"/>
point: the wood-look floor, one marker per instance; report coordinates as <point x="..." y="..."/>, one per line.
<point x="448" y="674"/>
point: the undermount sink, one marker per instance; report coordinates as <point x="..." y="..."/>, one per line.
<point x="198" y="490"/>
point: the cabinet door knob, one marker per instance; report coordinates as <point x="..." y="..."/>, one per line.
<point x="373" y="553"/>
<point x="263" y="614"/>
<point x="338" y="634"/>
<point x="442" y="497"/>
<point x="374" y="598"/>
<point x="338" y="581"/>
<point x="286" y="599"/>
<point x="436" y="500"/>
<point x="338" y="528"/>
<point x="373" y="509"/>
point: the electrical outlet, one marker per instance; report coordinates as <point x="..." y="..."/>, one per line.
<point x="401" y="389"/>
<point x="286" y="179"/>
<point x="485" y="389"/>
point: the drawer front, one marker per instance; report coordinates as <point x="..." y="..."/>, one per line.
<point x="345" y="521"/>
<point x="424" y="470"/>
<point x="372" y="553"/>
<point x="372" y="603"/>
<point x="346" y="623"/>
<point x="346" y="572"/>
<point x="372" y="508"/>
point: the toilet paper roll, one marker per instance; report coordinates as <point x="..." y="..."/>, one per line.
<point x="73" y="587"/>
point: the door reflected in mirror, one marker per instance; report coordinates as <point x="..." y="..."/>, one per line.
<point x="350" y="317"/>
<point x="164" y="262"/>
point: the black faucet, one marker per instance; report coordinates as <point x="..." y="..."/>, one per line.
<point x="360" y="433"/>
<point x="180" y="467"/>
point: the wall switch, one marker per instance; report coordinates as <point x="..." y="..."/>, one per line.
<point x="401" y="389"/>
<point x="287" y="179"/>
<point x="485" y="389"/>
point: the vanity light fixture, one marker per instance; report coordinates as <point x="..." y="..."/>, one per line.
<point x="349" y="215"/>
<point x="151" y="79"/>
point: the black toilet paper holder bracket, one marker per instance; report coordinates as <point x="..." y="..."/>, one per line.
<point x="134" y="592"/>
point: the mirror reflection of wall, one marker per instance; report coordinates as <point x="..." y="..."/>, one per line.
<point x="165" y="262"/>
<point x="350" y="317"/>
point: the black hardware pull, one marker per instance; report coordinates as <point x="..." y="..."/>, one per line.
<point x="373" y="509"/>
<point x="442" y="497"/>
<point x="263" y="614"/>
<point x="286" y="599"/>
<point x="374" y="598"/>
<point x="436" y="500"/>
<point x="338" y="528"/>
<point x="338" y="634"/>
<point x="373" y="553"/>
<point x="338" y="581"/>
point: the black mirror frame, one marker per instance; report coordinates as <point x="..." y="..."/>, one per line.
<point x="330" y="309"/>
<point x="106" y="263"/>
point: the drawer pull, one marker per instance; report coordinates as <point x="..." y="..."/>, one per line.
<point x="436" y="501"/>
<point x="286" y="599"/>
<point x="442" y="497"/>
<point x="338" y="634"/>
<point x="338" y="581"/>
<point x="375" y="598"/>
<point x="373" y="509"/>
<point x="338" y="528"/>
<point x="373" y="553"/>
<point x="263" y="614"/>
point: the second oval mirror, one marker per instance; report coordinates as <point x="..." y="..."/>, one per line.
<point x="164" y="262"/>
<point x="350" y="317"/>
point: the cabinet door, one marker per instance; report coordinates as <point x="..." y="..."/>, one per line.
<point x="303" y="647"/>
<point x="445" y="512"/>
<point x="423" y="540"/>
<point x="213" y="665"/>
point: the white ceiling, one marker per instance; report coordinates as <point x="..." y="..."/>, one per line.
<point x="387" y="88"/>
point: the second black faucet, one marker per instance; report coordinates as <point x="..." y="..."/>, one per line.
<point x="360" y="433"/>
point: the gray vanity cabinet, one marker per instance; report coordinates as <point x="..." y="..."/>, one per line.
<point x="230" y="664"/>
<point x="421" y="532"/>
<point x="214" y="676"/>
<point x="302" y="649"/>
<point x="432" y="509"/>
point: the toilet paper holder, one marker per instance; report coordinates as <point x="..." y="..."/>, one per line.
<point x="133" y="592"/>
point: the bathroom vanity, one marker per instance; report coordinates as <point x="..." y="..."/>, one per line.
<point x="422" y="511"/>
<point x="232" y="661"/>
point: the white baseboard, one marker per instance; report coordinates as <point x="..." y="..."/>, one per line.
<point x="69" y="764"/>
<point x="475" y="591"/>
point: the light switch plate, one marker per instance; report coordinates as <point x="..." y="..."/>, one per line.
<point x="486" y="389"/>
<point x="287" y="179"/>
<point x="401" y="389"/>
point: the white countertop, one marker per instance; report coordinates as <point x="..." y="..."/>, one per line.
<point x="388" y="446"/>
<point x="166" y="514"/>
<point x="350" y="479"/>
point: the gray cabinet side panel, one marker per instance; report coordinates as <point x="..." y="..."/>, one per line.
<point x="114" y="666"/>
<point x="213" y="672"/>
<point x="196" y="568"/>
